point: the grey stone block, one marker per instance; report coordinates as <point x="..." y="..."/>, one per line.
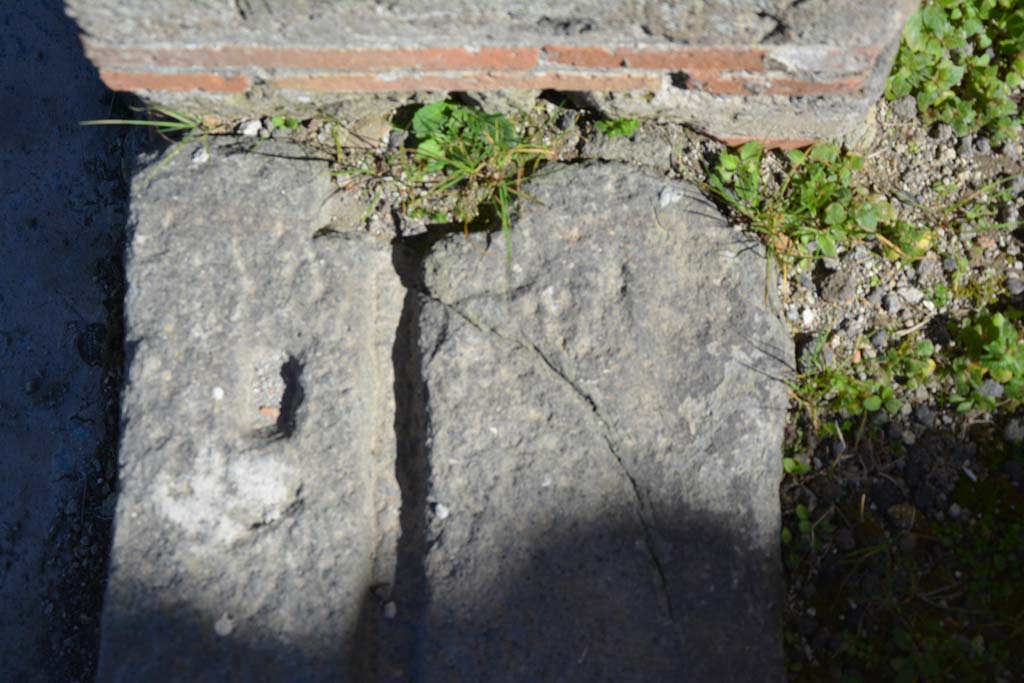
<point x="347" y="460"/>
<point x="793" y="71"/>
<point x="603" y="443"/>
<point x="407" y="23"/>
<point x="258" y="504"/>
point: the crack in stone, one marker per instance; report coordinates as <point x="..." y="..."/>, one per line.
<point x="641" y="506"/>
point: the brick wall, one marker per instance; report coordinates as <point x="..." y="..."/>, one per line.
<point x="731" y="67"/>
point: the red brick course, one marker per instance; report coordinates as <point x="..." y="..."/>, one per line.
<point x="746" y="85"/>
<point x="419" y="59"/>
<point x="180" y="82"/>
<point x="675" y="59"/>
<point x="737" y="71"/>
<point x="496" y="80"/>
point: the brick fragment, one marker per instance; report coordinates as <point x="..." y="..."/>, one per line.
<point x="665" y="59"/>
<point x="497" y="80"/>
<point x="769" y="143"/>
<point x="789" y="87"/>
<point x="387" y="59"/>
<point x="180" y="82"/>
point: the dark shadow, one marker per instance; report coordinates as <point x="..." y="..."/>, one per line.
<point x="291" y="399"/>
<point x="63" y="211"/>
<point x="400" y="642"/>
<point x="578" y="604"/>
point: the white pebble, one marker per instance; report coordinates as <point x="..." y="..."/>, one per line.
<point x="224" y="626"/>
<point x="200" y="155"/>
<point x="441" y="511"/>
<point x="217" y="393"/>
<point x="911" y="295"/>
<point x="250" y="129"/>
<point x="807" y="316"/>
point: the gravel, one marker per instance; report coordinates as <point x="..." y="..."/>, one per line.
<point x="250" y="129"/>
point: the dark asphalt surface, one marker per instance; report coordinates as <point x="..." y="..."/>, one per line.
<point x="62" y="215"/>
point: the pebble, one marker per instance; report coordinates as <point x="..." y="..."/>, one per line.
<point x="1014" y="430"/>
<point x="1017" y="186"/>
<point x="908" y="437"/>
<point x="893" y="304"/>
<point x="441" y="511"/>
<point x="250" y="129"/>
<point x="217" y="394"/>
<point x="991" y="389"/>
<point x="929" y="271"/>
<point x="943" y="131"/>
<point x="1015" y="286"/>
<point x="875" y="297"/>
<point x="390" y="610"/>
<point x="983" y="145"/>
<point x="924" y="415"/>
<point x="965" y="150"/>
<point x="807" y="317"/>
<point x="396" y="139"/>
<point x="912" y="295"/>
<point x="880" y="339"/>
<point x="954" y="511"/>
<point x="200" y="155"/>
<point x="224" y="626"/>
<point x="905" y="108"/>
<point x="949" y="264"/>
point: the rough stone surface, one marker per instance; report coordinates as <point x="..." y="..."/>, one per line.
<point x="772" y="116"/>
<point x="653" y="145"/>
<point x="258" y="502"/>
<point x="430" y="22"/>
<point x="350" y="460"/>
<point x="604" y="438"/>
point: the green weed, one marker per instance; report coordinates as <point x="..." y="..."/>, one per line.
<point x="166" y="123"/>
<point x="285" y="122"/>
<point x="963" y="61"/>
<point x="852" y="391"/>
<point x="479" y="160"/>
<point x="816" y="207"/>
<point x="989" y="368"/>
<point x="617" y="128"/>
<point x="162" y="120"/>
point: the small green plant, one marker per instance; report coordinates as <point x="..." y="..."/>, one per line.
<point x="814" y="209"/>
<point x="617" y="128"/>
<point x="166" y="123"/>
<point x="161" y="119"/>
<point x="989" y="369"/>
<point x="856" y="390"/>
<point x="285" y="122"/>
<point x="963" y="61"/>
<point x="795" y="467"/>
<point x="840" y="388"/>
<point x="480" y="160"/>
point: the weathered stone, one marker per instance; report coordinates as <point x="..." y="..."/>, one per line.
<point x="734" y="68"/>
<point x="605" y="435"/>
<point x="258" y="501"/>
<point x="653" y="144"/>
